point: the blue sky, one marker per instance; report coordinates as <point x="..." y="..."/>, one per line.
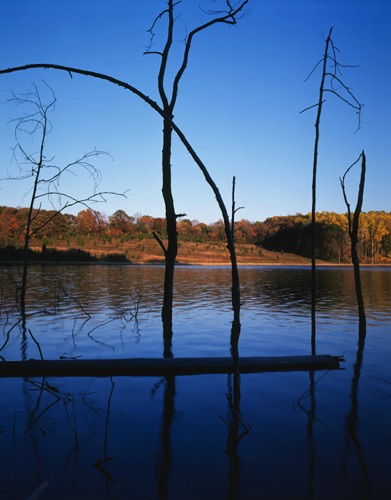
<point x="239" y="102"/>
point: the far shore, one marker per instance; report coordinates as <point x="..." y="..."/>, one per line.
<point x="189" y="264"/>
<point x="148" y="252"/>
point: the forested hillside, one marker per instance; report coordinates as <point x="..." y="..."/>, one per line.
<point x="289" y="233"/>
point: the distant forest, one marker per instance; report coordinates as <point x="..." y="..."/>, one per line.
<point x="290" y="233"/>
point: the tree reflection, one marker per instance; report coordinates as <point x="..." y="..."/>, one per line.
<point x="311" y="419"/>
<point x="167" y="340"/>
<point x="237" y="426"/>
<point x="103" y="464"/>
<point x="311" y="414"/>
<point x="164" y="458"/>
<point x="310" y="439"/>
<point x="352" y="421"/>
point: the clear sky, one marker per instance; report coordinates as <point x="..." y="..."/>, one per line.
<point x="239" y="103"/>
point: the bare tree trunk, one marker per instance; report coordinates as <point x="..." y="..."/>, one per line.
<point x="168" y="99"/>
<point x="313" y="208"/>
<point x="32" y="123"/>
<point x="26" y="248"/>
<point x="43" y="123"/>
<point x="171" y="251"/>
<point x="235" y="331"/>
<point x="353" y="225"/>
<point x="330" y="82"/>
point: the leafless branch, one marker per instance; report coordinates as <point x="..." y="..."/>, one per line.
<point x="37" y="344"/>
<point x="330" y="78"/>
<point x="94" y="198"/>
<point x="342" y="181"/>
<point x="161" y="244"/>
<point x="228" y="17"/>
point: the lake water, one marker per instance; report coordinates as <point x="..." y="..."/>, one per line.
<point x="297" y="435"/>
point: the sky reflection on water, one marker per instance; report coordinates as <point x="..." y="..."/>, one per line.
<point x="270" y="435"/>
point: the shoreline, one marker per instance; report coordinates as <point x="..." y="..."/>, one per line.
<point x="190" y="264"/>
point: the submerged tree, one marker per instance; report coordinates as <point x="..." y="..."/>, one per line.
<point x="353" y="227"/>
<point x="331" y="82"/>
<point x="45" y="175"/>
<point x="168" y="98"/>
<point x="166" y="110"/>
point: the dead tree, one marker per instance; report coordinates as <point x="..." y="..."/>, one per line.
<point x="353" y="226"/>
<point x="165" y="110"/>
<point x="330" y="82"/>
<point x="236" y="303"/>
<point x="168" y="99"/>
<point x="46" y="176"/>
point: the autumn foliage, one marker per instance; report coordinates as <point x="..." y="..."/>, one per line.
<point x="290" y="234"/>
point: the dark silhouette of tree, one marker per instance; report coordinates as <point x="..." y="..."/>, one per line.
<point x="46" y="176"/>
<point x="331" y="81"/>
<point x="166" y="111"/>
<point x="353" y="228"/>
<point x="168" y="101"/>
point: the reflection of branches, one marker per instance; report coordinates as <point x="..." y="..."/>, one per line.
<point x="103" y="323"/>
<point x="59" y="286"/>
<point x="311" y="418"/>
<point x="310" y="438"/>
<point x="72" y="425"/>
<point x="66" y="294"/>
<point x="237" y="429"/>
<point x="8" y="334"/>
<point x="156" y="386"/>
<point x="106" y="459"/>
<point x="37" y="344"/>
<point x="4" y="310"/>
<point x="127" y="315"/>
<point x="88" y="404"/>
<point x="45" y="177"/>
<point x="49" y="389"/>
<point x="381" y="380"/>
<point x="235" y="419"/>
<point x="352" y="420"/>
<point x="310" y="392"/>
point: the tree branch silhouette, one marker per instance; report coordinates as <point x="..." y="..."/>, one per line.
<point x="329" y="77"/>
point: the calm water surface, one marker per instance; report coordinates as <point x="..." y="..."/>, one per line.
<point x="298" y="435"/>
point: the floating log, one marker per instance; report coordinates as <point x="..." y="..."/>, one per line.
<point x="145" y="367"/>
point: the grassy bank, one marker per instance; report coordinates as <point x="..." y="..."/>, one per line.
<point x="147" y="251"/>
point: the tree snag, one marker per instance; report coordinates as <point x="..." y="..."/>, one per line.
<point x="353" y="226"/>
<point x="330" y="81"/>
<point x="168" y="99"/>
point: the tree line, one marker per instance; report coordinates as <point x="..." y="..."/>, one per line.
<point x="290" y="233"/>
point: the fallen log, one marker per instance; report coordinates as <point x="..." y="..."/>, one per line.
<point x="164" y="366"/>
